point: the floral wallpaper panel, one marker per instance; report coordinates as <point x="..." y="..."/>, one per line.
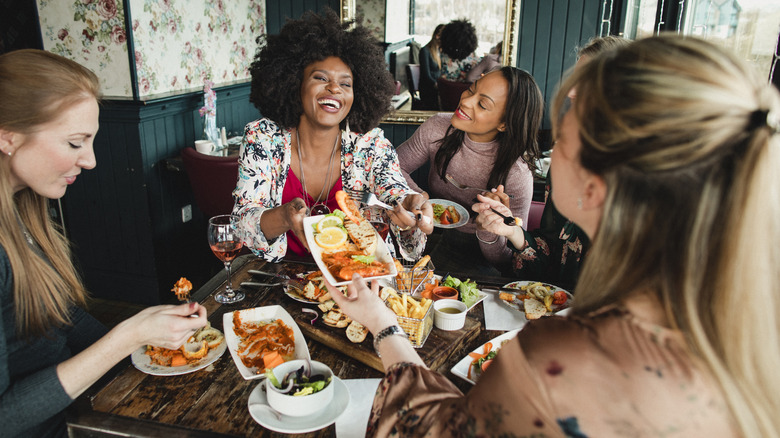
<point x="178" y="43"/>
<point x="92" y="33"/>
<point x="373" y="14"/>
<point x="181" y="43"/>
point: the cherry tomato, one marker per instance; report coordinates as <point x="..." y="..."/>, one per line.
<point x="486" y="364"/>
<point x="445" y="218"/>
<point x="559" y="297"/>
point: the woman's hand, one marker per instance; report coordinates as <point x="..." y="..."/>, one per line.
<point x="293" y="214"/>
<point x="489" y="221"/>
<point x="419" y="206"/>
<point x="498" y="194"/>
<point x="167" y="326"/>
<point x="363" y="304"/>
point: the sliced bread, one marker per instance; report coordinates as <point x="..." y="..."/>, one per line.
<point x="363" y="235"/>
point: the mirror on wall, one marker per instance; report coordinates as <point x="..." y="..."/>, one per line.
<point x="383" y="17"/>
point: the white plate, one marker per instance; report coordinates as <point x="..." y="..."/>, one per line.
<point x="464" y="214"/>
<point x="288" y="424"/>
<point x="258" y="314"/>
<point x="143" y="362"/>
<point x="461" y="369"/>
<point x="517" y="305"/>
<point x="382" y="255"/>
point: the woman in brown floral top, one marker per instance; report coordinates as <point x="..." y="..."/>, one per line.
<point x="668" y="160"/>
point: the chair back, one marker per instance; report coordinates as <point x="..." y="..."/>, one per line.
<point x="449" y="93"/>
<point x="535" y="215"/>
<point x="212" y="179"/>
<point x="413" y="78"/>
<point x="413" y="83"/>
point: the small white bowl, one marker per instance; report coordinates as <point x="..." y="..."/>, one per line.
<point x="302" y="405"/>
<point x="449" y="314"/>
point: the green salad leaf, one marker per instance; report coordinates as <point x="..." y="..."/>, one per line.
<point x="469" y="293"/>
<point x="367" y="259"/>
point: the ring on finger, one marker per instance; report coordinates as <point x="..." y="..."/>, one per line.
<point x="406" y="228"/>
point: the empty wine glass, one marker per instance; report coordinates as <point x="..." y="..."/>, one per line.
<point x="225" y="241"/>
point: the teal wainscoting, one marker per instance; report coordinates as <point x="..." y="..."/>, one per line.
<point x="124" y="217"/>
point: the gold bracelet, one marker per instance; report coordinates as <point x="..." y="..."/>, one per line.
<point x="476" y="233"/>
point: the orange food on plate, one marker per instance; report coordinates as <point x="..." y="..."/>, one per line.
<point x="272" y="359"/>
<point x="348" y="206"/>
<point x="256" y="340"/>
<point x="343" y="266"/>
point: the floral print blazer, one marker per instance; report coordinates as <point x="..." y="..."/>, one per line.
<point x="368" y="161"/>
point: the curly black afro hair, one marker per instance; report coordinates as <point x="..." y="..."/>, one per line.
<point x="459" y="39"/>
<point x="277" y="70"/>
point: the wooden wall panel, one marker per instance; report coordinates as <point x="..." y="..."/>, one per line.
<point x="550" y="32"/>
<point x="278" y="11"/>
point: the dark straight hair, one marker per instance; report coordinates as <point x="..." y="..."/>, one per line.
<point x="522" y="116"/>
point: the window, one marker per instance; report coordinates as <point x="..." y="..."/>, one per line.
<point x="748" y="27"/>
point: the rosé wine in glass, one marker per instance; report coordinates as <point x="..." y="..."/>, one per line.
<point x="226" y="242"/>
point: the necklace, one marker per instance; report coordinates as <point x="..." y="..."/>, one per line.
<point x="319" y="206"/>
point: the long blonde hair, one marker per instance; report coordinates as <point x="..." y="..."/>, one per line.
<point x="35" y="87"/>
<point x="685" y="137"/>
<point x="435" y="44"/>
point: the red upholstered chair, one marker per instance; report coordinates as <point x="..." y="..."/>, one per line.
<point x="212" y="179"/>
<point x="449" y="93"/>
<point x="535" y="215"/>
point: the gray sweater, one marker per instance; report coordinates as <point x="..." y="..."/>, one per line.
<point x="32" y="399"/>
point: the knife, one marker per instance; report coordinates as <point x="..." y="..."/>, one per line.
<point x="495" y="289"/>
<point x="272" y="274"/>
<point x="255" y="284"/>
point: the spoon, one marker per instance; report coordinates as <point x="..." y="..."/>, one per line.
<point x="264" y="407"/>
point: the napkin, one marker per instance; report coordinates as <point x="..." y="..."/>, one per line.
<point x="352" y="423"/>
<point x="499" y="316"/>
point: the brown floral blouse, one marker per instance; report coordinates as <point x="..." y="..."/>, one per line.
<point x="605" y="375"/>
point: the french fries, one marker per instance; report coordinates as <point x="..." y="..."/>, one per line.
<point x="409" y="279"/>
<point x="413" y="315"/>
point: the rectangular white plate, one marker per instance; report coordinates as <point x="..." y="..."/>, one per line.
<point x="258" y="314"/>
<point x="461" y="369"/>
<point x="382" y="254"/>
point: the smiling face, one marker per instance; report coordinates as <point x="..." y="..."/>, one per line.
<point x="326" y="92"/>
<point x="49" y="159"/>
<point x="480" y="113"/>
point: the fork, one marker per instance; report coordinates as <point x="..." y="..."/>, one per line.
<point x="452" y="181"/>
<point x="368" y="198"/>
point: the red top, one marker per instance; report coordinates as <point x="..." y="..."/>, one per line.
<point x="294" y="189"/>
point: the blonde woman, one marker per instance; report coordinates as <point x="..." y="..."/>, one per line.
<point x="668" y="160"/>
<point x="430" y="70"/>
<point x="51" y="350"/>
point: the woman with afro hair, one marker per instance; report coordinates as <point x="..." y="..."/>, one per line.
<point x="322" y="87"/>
<point x="458" y="43"/>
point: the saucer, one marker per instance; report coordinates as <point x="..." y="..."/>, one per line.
<point x="288" y="424"/>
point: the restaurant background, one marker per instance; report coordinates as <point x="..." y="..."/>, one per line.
<point x="125" y="217"/>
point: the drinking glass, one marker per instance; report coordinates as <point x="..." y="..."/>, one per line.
<point x="225" y="241"/>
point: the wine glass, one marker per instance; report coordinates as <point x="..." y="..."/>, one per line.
<point x="225" y="241"/>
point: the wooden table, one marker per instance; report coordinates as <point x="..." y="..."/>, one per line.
<point x="213" y="401"/>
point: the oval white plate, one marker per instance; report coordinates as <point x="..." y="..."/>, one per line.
<point x="381" y="254"/>
<point x="517" y="305"/>
<point x="258" y="314"/>
<point x="464" y="214"/>
<point x="143" y="362"/>
<point x="288" y="424"/>
<point x="461" y="369"/>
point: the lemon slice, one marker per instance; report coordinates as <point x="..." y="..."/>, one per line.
<point x="331" y="237"/>
<point x="329" y="221"/>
